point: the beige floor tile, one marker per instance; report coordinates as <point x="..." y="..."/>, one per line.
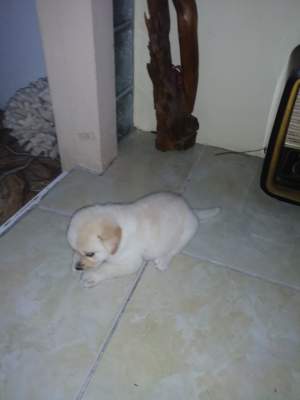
<point x="253" y="233"/>
<point x="221" y="181"/>
<point x="256" y="244"/>
<point x="199" y="331"/>
<point x="196" y="331"/>
<point x="139" y="169"/>
<point x="51" y="328"/>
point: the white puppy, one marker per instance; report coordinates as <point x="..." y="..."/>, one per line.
<point x="116" y="239"/>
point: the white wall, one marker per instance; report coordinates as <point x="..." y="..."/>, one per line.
<point x="21" y="49"/>
<point x="78" y="43"/>
<point x="244" y="47"/>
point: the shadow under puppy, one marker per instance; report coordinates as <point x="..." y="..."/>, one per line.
<point x="116" y="239"/>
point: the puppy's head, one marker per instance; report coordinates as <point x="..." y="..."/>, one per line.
<point x="93" y="239"/>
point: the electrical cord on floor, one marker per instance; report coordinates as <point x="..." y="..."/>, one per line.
<point x="14" y="170"/>
<point x="24" y="166"/>
<point x="12" y="151"/>
<point x="223" y="153"/>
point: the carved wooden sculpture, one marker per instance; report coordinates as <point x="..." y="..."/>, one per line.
<point x="174" y="88"/>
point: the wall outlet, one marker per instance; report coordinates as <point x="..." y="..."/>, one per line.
<point x="86" y="136"/>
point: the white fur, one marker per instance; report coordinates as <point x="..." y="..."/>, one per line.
<point x="155" y="229"/>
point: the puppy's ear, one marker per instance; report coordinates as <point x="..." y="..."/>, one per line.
<point x="111" y="237"/>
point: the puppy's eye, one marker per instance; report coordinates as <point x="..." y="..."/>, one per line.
<point x="89" y="254"/>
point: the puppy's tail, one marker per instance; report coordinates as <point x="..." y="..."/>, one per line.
<point x="207" y="213"/>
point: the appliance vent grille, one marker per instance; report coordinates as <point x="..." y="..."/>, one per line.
<point x="292" y="139"/>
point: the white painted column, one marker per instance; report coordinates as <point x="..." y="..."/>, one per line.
<point x="78" y="46"/>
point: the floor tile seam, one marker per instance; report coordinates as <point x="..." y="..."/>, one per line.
<point x="243" y="199"/>
<point x="81" y="168"/>
<point x="14" y="219"/>
<point x="188" y="178"/>
<point x="274" y="241"/>
<point x="105" y="343"/>
<point x="248" y="274"/>
<point x="54" y="210"/>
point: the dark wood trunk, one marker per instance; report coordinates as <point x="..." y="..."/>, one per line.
<point x="174" y="87"/>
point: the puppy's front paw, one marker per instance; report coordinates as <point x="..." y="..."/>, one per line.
<point x="90" y="279"/>
<point x="162" y="263"/>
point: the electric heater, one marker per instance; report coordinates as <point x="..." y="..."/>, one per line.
<point x="281" y="170"/>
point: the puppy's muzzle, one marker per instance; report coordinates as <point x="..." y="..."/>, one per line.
<point x="79" y="266"/>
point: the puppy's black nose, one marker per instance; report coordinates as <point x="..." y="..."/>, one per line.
<point x="79" y="267"/>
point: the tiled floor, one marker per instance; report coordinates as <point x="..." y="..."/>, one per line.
<point x="223" y="323"/>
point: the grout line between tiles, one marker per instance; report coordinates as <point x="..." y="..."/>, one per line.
<point x="109" y="335"/>
<point x="29" y="206"/>
<point x="55" y="211"/>
<point x="249" y="274"/>
<point x="247" y="192"/>
<point x="189" y="175"/>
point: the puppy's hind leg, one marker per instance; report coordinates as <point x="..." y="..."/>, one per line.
<point x="162" y="263"/>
